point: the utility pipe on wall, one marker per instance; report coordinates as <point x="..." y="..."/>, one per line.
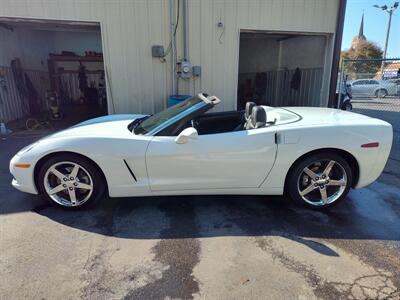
<point x="185" y="30"/>
<point x="173" y="50"/>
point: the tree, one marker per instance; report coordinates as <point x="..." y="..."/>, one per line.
<point x="362" y="49"/>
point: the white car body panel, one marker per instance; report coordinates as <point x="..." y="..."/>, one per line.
<point x="213" y="161"/>
<point x="322" y="128"/>
<point x="252" y="161"/>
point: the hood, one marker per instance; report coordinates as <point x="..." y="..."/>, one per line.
<point x="109" y="118"/>
<point x="106" y="126"/>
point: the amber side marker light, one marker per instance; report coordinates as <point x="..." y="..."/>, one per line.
<point x="23" y="166"/>
<point x="370" y="145"/>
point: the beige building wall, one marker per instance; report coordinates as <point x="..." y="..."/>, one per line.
<point x="139" y="83"/>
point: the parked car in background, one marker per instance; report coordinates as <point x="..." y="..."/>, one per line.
<point x="372" y="88"/>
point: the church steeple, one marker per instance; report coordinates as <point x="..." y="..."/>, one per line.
<point x="361" y="31"/>
<point x="360" y="37"/>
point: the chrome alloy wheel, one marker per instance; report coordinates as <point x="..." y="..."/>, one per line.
<point x="68" y="183"/>
<point x="322" y="182"/>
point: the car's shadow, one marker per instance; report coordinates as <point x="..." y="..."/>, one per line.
<point x="210" y="216"/>
<point x="369" y="214"/>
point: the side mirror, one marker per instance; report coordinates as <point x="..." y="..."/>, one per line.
<point x="186" y="135"/>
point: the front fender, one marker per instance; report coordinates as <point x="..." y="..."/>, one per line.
<point x="107" y="153"/>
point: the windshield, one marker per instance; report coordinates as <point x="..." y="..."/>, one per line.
<point x="149" y="123"/>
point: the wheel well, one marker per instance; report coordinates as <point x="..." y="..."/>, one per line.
<point x="381" y="89"/>
<point x="41" y="161"/>
<point x="346" y="155"/>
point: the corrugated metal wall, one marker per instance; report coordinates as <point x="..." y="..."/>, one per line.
<point x="70" y="84"/>
<point x="13" y="106"/>
<point x="278" y="91"/>
<point x="140" y="83"/>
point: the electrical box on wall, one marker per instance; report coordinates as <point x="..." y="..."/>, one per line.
<point x="196" y="71"/>
<point x="184" y="69"/>
<point x="157" y="51"/>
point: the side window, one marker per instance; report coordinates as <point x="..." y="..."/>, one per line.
<point x="373" y="82"/>
<point x="177" y="127"/>
<point x="360" y="82"/>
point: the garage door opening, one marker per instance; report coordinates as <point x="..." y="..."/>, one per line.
<point x="281" y="69"/>
<point x="51" y="71"/>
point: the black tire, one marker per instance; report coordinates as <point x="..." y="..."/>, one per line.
<point x="293" y="183"/>
<point x="383" y="94"/>
<point x="97" y="179"/>
<point x="347" y="106"/>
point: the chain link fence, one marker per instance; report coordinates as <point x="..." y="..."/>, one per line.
<point x="374" y="88"/>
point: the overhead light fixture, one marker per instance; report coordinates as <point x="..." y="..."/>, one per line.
<point x="390" y="12"/>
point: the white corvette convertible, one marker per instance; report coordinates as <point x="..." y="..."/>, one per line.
<point x="314" y="155"/>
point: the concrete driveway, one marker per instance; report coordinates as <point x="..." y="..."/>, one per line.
<point x="200" y="247"/>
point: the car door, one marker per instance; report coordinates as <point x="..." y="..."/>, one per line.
<point x="373" y="86"/>
<point x="389" y="86"/>
<point x="240" y="159"/>
<point x="358" y="87"/>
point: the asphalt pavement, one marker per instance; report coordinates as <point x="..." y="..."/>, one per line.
<point x="387" y="109"/>
<point x="199" y="247"/>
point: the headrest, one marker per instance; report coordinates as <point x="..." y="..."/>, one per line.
<point x="258" y="117"/>
<point x="249" y="108"/>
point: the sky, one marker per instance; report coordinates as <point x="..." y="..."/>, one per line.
<point x="375" y="24"/>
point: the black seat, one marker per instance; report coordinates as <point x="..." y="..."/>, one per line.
<point x="258" y="118"/>
<point x="249" y="109"/>
<point x="245" y="117"/>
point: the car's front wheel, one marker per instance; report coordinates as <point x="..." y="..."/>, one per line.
<point x="347" y="106"/>
<point x="320" y="180"/>
<point x="70" y="181"/>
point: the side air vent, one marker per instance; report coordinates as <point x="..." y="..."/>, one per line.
<point x="130" y="171"/>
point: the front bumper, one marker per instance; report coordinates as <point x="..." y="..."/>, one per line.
<point x="23" y="178"/>
<point x="24" y="188"/>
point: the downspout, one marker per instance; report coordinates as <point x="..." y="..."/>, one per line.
<point x="185" y="30"/>
<point x="173" y="50"/>
<point x="336" y="52"/>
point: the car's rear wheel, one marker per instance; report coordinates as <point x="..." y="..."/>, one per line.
<point x="70" y="181"/>
<point x="381" y="93"/>
<point x="320" y="181"/>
